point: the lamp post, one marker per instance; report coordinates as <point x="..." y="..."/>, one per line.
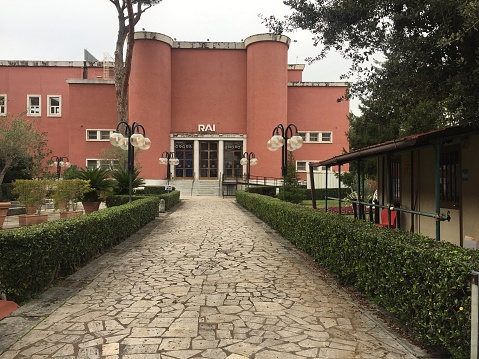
<point x="60" y="162"/>
<point x="168" y="158"/>
<point x="249" y="159"/>
<point x="293" y="141"/>
<point x="128" y="141"/>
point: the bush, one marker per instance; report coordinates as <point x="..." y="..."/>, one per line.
<point x="152" y="190"/>
<point x="32" y="258"/>
<point x="6" y="192"/>
<point x="264" y="190"/>
<point x="171" y="199"/>
<point x="422" y="282"/>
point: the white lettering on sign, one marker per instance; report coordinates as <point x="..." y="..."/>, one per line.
<point x="208" y="127"/>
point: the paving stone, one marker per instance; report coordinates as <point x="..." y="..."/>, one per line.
<point x="207" y="280"/>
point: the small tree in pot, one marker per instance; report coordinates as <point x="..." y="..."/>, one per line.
<point x="101" y="185"/>
<point x="66" y="195"/>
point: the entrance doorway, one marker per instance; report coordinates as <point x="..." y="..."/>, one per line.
<point x="184" y="154"/>
<point x="209" y="159"/>
<point x="233" y="151"/>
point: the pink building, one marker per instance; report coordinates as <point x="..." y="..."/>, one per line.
<point x="208" y="102"/>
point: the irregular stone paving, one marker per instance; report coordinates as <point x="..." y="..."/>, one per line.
<point x="210" y="281"/>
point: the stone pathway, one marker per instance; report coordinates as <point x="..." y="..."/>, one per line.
<point x="208" y="280"/>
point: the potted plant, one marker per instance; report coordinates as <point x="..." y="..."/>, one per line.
<point x="66" y="195"/>
<point x="32" y="194"/>
<point x="101" y="185"/>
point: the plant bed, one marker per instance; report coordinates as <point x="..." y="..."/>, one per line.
<point x="31" y="219"/>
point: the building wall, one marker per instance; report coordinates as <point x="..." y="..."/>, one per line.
<point x="418" y="192"/>
<point x="215" y="92"/>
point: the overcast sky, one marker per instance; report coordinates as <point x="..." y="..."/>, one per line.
<point x="60" y="29"/>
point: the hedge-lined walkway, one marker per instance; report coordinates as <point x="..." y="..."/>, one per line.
<point x="207" y="280"/>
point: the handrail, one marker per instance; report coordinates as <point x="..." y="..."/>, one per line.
<point x="390" y="207"/>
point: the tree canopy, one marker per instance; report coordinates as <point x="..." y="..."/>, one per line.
<point x="21" y="143"/>
<point x="417" y="61"/>
<point x="129" y="13"/>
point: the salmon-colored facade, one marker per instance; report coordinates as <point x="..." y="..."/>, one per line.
<point x="208" y="102"/>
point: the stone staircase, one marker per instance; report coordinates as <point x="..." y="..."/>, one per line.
<point x="197" y="188"/>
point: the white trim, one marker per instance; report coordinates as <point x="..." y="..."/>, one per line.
<point x="29" y="108"/>
<point x="3" y="108"/>
<point x="57" y="110"/>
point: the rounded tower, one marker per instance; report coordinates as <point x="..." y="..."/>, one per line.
<point x="267" y="97"/>
<point x="150" y="98"/>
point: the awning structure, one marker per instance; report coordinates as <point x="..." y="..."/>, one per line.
<point x="399" y="145"/>
<point x="435" y="139"/>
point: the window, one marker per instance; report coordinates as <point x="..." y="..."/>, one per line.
<point x="395" y="168"/>
<point x="3" y="105"/>
<point x="301" y="166"/>
<point x="34" y="105"/>
<point x="314" y="137"/>
<point x="98" y="135"/>
<point x="54" y="106"/>
<point x="326" y="137"/>
<point x="102" y="163"/>
<point x="317" y="137"/>
<point x="449" y="177"/>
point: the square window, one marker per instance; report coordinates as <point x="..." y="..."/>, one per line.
<point x="92" y="135"/>
<point x="326" y="137"/>
<point x="3" y="105"/>
<point x="92" y="163"/>
<point x="34" y="105"/>
<point x="303" y="135"/>
<point x="314" y="137"/>
<point x="105" y="135"/>
<point x="54" y="106"/>
<point x="301" y="166"/>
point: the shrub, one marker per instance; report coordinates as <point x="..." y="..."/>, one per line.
<point x="171" y="199"/>
<point x="32" y="258"/>
<point x="422" y="282"/>
<point x="264" y="190"/>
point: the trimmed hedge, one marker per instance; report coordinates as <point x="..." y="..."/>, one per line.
<point x="264" y="190"/>
<point x="32" y="258"/>
<point x="152" y="190"/>
<point x="171" y="198"/>
<point x="422" y="282"/>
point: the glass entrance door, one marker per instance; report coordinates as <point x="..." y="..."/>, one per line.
<point x="209" y="159"/>
<point x="184" y="153"/>
<point x="233" y="152"/>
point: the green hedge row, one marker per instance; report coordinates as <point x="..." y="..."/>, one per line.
<point x="171" y="199"/>
<point x="264" y="190"/>
<point x="152" y="190"/>
<point x="422" y="282"/>
<point x="320" y="192"/>
<point x="32" y="258"/>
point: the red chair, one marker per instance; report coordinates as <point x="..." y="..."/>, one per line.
<point x="384" y="218"/>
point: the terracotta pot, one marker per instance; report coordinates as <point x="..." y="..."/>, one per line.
<point x="91" y="206"/>
<point x="4" y="206"/>
<point x="69" y="214"/>
<point x="31" y="219"/>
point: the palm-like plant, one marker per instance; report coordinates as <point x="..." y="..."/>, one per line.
<point x="122" y="181"/>
<point x="100" y="182"/>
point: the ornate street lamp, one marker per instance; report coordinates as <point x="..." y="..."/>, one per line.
<point x="168" y="158"/>
<point x="249" y="159"/>
<point x="130" y="139"/>
<point x="293" y="142"/>
<point x="60" y="162"/>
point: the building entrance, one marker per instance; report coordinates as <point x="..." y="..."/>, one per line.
<point x="209" y="159"/>
<point x="233" y="151"/>
<point x="185" y="154"/>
